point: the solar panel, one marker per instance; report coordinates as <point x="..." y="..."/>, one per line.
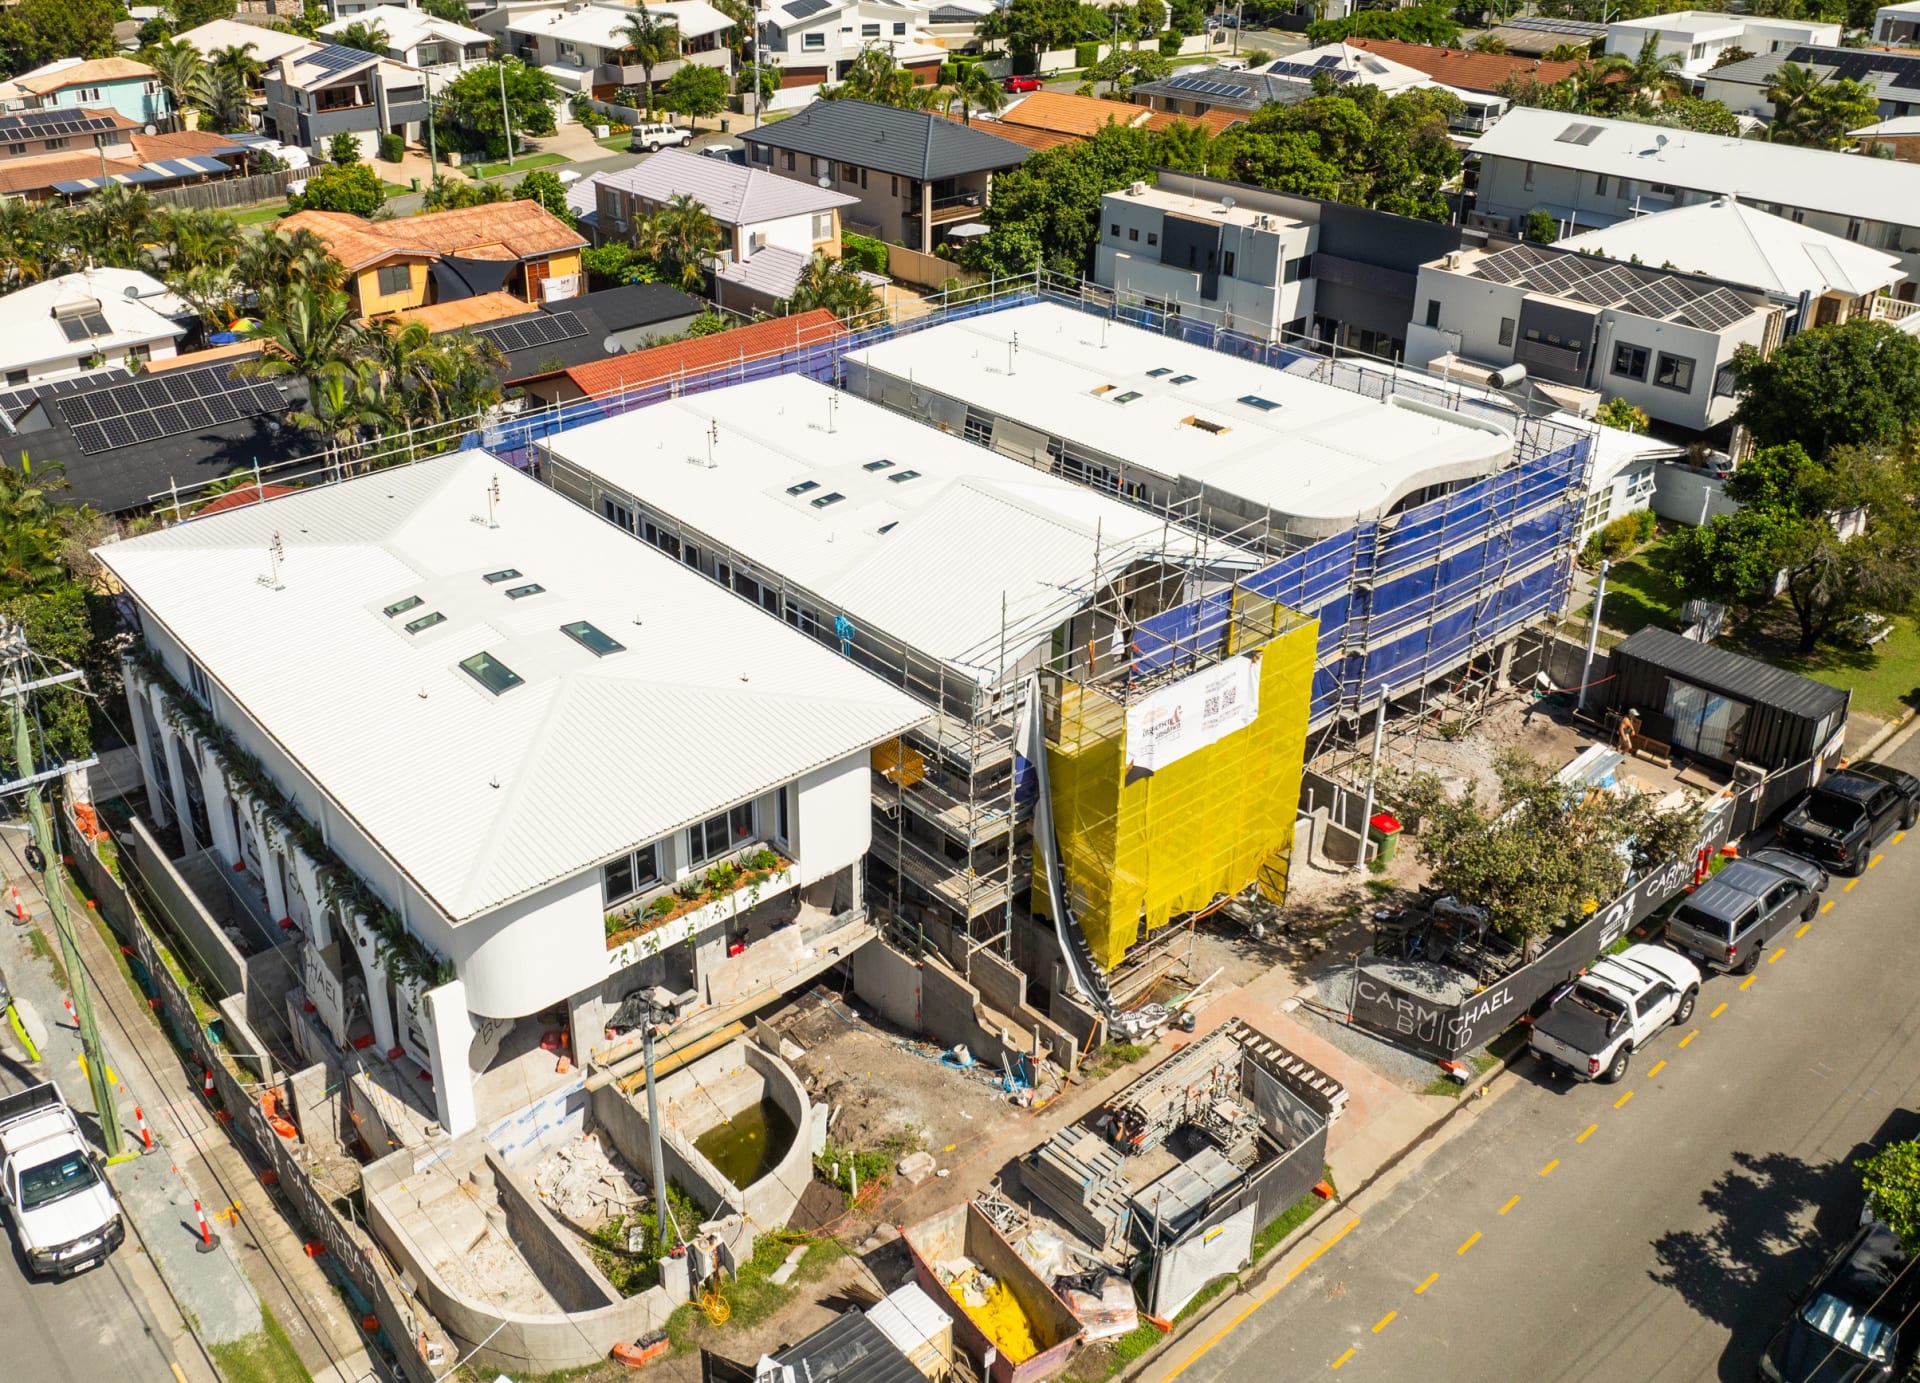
<point x="181" y="387"/>
<point x="1716" y="311"/>
<point x="91" y="437"/>
<point x="1540" y="24"/>
<point x="165" y="406"/>
<point x="334" y="58"/>
<point x="544" y="329"/>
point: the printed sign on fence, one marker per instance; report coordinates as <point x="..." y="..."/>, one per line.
<point x="1193" y="713"/>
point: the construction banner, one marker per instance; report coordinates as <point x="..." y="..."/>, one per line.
<point x="1193" y="713"/>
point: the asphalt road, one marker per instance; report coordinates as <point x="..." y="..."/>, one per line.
<point x="85" y="1329"/>
<point x="1652" y="1230"/>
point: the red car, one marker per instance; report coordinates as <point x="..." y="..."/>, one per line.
<point x="1017" y="84"/>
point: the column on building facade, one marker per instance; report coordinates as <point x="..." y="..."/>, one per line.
<point x="139" y="698"/>
<point x="306" y="877"/>
<point x="220" y="816"/>
<point x="177" y="771"/>
<point x="449" y="1029"/>
<point x="379" y="1004"/>
<point x="270" y="856"/>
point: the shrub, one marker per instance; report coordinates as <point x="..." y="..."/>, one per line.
<point x="864" y="252"/>
<point x="1619" y="537"/>
<point x="660" y="906"/>
<point x="839" y="1167"/>
<point x="1086" y="54"/>
<point x="344" y="148"/>
<point x="762" y="858"/>
<point x="948" y="74"/>
<point x="619" y="127"/>
<point x="1084" y="89"/>
<point x="1620" y="414"/>
<point x="393" y="148"/>
<point x="1541" y="227"/>
<point x="352" y="188"/>
<point x="1170" y="45"/>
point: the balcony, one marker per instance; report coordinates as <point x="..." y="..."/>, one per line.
<point x="632" y="74"/>
<point x="1893" y="309"/>
<point x="730" y="886"/>
<point x="961" y="206"/>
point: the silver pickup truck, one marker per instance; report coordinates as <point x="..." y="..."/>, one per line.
<point x="1593" y="1028"/>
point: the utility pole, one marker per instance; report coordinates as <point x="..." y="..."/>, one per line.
<point x="433" y="151"/>
<point x="42" y="856"/>
<point x="506" y="116"/>
<point x="656" y="1013"/>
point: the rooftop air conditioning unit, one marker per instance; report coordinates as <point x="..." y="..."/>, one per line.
<point x="1138" y="189"/>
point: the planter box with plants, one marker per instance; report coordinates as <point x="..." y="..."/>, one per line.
<point x="728" y="888"/>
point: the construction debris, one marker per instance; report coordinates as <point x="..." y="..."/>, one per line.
<point x="586" y="1184"/>
<point x="915" y="1167"/>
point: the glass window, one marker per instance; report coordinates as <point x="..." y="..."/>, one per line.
<point x="491" y="673"/>
<point x="900" y="476"/>
<point x="630" y="874"/>
<point x="1127" y="397"/>
<point x="522" y="592"/>
<point x="198" y="684"/>
<point x="831" y="497"/>
<point x="869" y="31"/>
<point x="812" y="43"/>
<point x="1255" y="401"/>
<point x="1630" y="362"/>
<point x="402" y="606"/>
<point x="395" y="278"/>
<point x="876" y="465"/>
<point x="494" y="578"/>
<point x="1506" y="331"/>
<point x="803" y="487"/>
<point x="1226" y="263"/>
<point x="823" y="225"/>
<point x="719" y="834"/>
<point x="1133" y="232"/>
<point x="1674" y="372"/>
<point x="426" y="621"/>
<point x="781" y="830"/>
<point x="1159" y="372"/>
<point x="1153" y="237"/>
<point x="592" y="639"/>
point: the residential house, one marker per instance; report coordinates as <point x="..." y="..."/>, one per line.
<point x="419" y="39"/>
<point x="39" y="148"/>
<point x="156" y="161"/>
<point x="1897" y="138"/>
<point x="955" y="24"/>
<point x="1535" y="36"/>
<point x="266" y="45"/>
<point x="65" y="326"/>
<point x="476" y="701"/>
<point x="770" y="226"/>
<point x="1475" y="77"/>
<point x="586" y="48"/>
<point x="915" y="175"/>
<point x="1591" y="172"/>
<point x="1081" y="117"/>
<point x="517" y="247"/>
<point x="1270" y="264"/>
<point x="1698" y="38"/>
<point x="1821" y="278"/>
<point x="121" y="85"/>
<point x="772" y="342"/>
<point x="1589" y="328"/>
<point x="1288" y="81"/>
<point x="813" y="42"/>
<point x="1897" y="24"/>
<point x="324" y="90"/>
<point x="1894" y="78"/>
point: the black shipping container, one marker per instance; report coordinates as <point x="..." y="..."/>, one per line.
<point x="1723" y="707"/>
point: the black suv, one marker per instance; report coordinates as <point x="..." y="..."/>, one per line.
<point x="1850" y="1324"/>
<point x="1841" y="821"/>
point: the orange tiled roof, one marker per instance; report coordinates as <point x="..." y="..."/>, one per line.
<point x="1019" y="134"/>
<point x="86" y="74"/>
<point x="180" y="144"/>
<point x="463" y="312"/>
<point x="242" y="497"/>
<point x="37" y="174"/>
<point x="599" y="378"/>
<point x="1464" y="68"/>
<point x="497" y="230"/>
<point x="1065" y="113"/>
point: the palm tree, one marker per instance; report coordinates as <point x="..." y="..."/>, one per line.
<point x="29" y="246"/>
<point x="196" y="237"/>
<point x="681" y="238"/>
<point x="873" y="77"/>
<point x="223" y="92"/>
<point x="181" y="70"/>
<point x="835" y="285"/>
<point x="368" y="38"/>
<point x="342" y="403"/>
<point x="116" y="224"/>
<point x="33" y="527"/>
<point x="649" y="42"/>
<point x="1569" y="52"/>
<point x="1792" y="86"/>
<point x="315" y="328"/>
<point x="1646" y="79"/>
<point x="238" y="59"/>
<point x="975" y="90"/>
<point x="211" y="290"/>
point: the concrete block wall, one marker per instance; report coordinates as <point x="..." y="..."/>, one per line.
<point x="553" y="1253"/>
<point x="214" y="956"/>
<point x="771" y="1201"/>
<point x="888" y="983"/>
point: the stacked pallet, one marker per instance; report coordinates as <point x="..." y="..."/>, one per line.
<point x="1079" y="1176"/>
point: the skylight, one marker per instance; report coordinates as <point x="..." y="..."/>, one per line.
<point x="591" y="639"/>
<point x="830" y="497"/>
<point x="522" y="592"/>
<point x="803" y="487"/>
<point x="901" y="476"/>
<point x="876" y="465"/>
<point x="1158" y="373"/>
<point x="1128" y="397"/>
<point x="888" y="527"/>
<point x="491" y="673"/>
<point x="400" y="607"/>
<point x="494" y="578"/>
<point x="1182" y="379"/>
<point x="1255" y="401"/>
<point x="426" y="622"/>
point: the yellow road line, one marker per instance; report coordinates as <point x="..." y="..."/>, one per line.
<point x="1805" y="927"/>
<point x="1511" y="1202"/>
<point x="1591" y="1130"/>
<point x="1547" y="1170"/>
<point x="1874" y="863"/>
<point x="1472" y="1239"/>
<point x="1623" y="1099"/>
<point x="1851" y="884"/>
<point x="1718" y="1009"/>
<point x="1343" y="1358"/>
<point x="1422" y="1288"/>
<point x="181" y="1377"/>
<point x="1898" y="836"/>
<point x="1778" y="952"/>
<point x="1384" y="1322"/>
<point x="1656" y="1069"/>
<point x="1689" y="1037"/>
<point x="1827" y="906"/>
<point x="1262" y="1300"/>
<point x="1747" y="984"/>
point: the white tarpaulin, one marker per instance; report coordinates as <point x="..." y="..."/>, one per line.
<point x="1193" y="713"/>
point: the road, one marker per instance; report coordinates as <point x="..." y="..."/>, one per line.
<point x="1652" y="1230"/>
<point x="86" y="1329"/>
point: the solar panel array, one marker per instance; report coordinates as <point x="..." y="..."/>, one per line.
<point x="1575" y="28"/>
<point x="1598" y="283"/>
<point x="165" y="405"/>
<point x="334" y="58"/>
<point x="1855" y="66"/>
<point x="1203" y="86"/>
<point x="52" y="124"/>
<point x="542" y="329"/>
<point x="1580" y="134"/>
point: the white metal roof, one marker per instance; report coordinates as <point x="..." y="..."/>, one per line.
<point x="927" y="557"/>
<point x="734" y="194"/>
<point x="407" y="29"/>
<point x="1737" y="243"/>
<point x="1694" y="23"/>
<point x="133" y="305"/>
<point x="909" y="1318"/>
<point x="1751" y="169"/>
<point x="483" y="798"/>
<point x="1900" y="124"/>
<point x="268" y="45"/>
<point x="774" y="270"/>
<point x="604" y="26"/>
<point x="1319" y="459"/>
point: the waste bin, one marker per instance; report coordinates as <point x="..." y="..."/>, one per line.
<point x="1383" y="829"/>
<point x="725" y="124"/>
<point x="416" y="184"/>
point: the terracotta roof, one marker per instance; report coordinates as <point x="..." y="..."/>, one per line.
<point x="181" y="144"/>
<point x="600" y="378"/>
<point x="1464" y="68"/>
<point x="38" y="174"/>
<point x="463" y="312"/>
<point x="212" y="355"/>
<point x="1063" y="114"/>
<point x="85" y="74"/>
<point x="498" y="230"/>
<point x="1020" y="134"/>
<point x="242" y="497"/>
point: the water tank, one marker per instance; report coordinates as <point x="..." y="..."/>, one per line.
<point x="1507" y="375"/>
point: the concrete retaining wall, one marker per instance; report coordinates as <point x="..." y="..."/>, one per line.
<point x="552" y="1252"/>
<point x="203" y="946"/>
<point x="888" y="982"/>
<point x="771" y="1201"/>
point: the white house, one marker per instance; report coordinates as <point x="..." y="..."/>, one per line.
<point x="1897" y="25"/>
<point x="499" y="764"/>
<point x="267" y="46"/>
<point x="583" y="48"/>
<point x="64" y="326"/>
<point x="813" y="42"/>
<point x="419" y="39"/>
<point x="1699" y="37"/>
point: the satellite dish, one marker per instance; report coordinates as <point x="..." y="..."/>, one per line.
<point x="151" y="130"/>
<point x="132" y="292"/>
<point x="1228" y="203"/>
<point x="611" y="345"/>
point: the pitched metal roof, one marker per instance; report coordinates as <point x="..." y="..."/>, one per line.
<point x="734" y="194"/>
<point x="850" y="1349"/>
<point x="1735" y="674"/>
<point x="482" y="798"/>
<point x="910" y="143"/>
<point x="773" y="271"/>
<point x="758" y="341"/>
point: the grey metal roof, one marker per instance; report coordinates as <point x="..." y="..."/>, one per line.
<point x="849" y="1350"/>
<point x="1716" y="669"/>
<point x="773" y="271"/>
<point x="1893" y="76"/>
<point x="733" y="194"/>
<point x="910" y="143"/>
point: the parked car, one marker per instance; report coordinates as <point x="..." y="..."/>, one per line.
<point x="1805" y="870"/>
<point x="52" y="1185"/>
<point x="731" y="150"/>
<point x="1849" y="1324"/>
<point x="653" y="138"/>
<point x="1595" y="1024"/>
<point x="1727" y="921"/>
<point x="1018" y="84"/>
<point x="1841" y="820"/>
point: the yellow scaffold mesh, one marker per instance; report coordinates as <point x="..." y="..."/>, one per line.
<point x="1158" y="845"/>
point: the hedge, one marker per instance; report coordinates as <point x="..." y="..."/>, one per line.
<point x="1086" y="54"/>
<point x="863" y="252"/>
<point x="393" y="148"/>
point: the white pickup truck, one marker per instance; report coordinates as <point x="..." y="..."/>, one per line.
<point x="58" y="1198"/>
<point x="1596" y="1023"/>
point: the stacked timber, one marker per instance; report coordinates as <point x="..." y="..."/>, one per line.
<point x="1079" y="1176"/>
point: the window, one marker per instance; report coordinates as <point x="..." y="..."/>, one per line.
<point x="1159" y="372"/>
<point x="426" y="621"/>
<point x="1133" y="232"/>
<point x="1674" y="372"/>
<point x="1433" y="312"/>
<point x="1506" y="331"/>
<point x="592" y="639"/>
<point x="1630" y="362"/>
<point x="899" y="28"/>
<point x="1183" y="379"/>
<point x="395" y="278"/>
<point x="762" y="154"/>
<point x="829" y="498"/>
<point x="880" y="465"/>
<point x="617" y="513"/>
<point x="494" y="578"/>
<point x="1853" y="230"/>
<point x="630" y="874"/>
<point x="1127" y="397"/>
<point x="491" y="673"/>
<point x="400" y="607"/>
<point x="522" y="592"/>
<point x="1255" y="401"/>
<point x="16" y="376"/>
<point x="809" y="43"/>
<point x="1297" y="269"/>
<point x="894" y="190"/>
<point x="869" y="31"/>
<point x="899" y="476"/>
<point x="1153" y="237"/>
<point x="782" y="829"/>
<point x="803" y="487"/>
<point x="53" y="144"/>
<point x="1226" y="263"/>
<point x="849" y="172"/>
<point x="1114" y="230"/>
<point x="818" y="167"/>
<point x="822" y="226"/>
<point x="1599" y="184"/>
<point x="198" y="684"/>
<point x="692" y="557"/>
<point x="15" y="150"/>
<point x="719" y="834"/>
<point x="789" y="160"/>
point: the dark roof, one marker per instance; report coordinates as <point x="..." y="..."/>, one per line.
<point x="850" y="1350"/>
<point x="910" y="143"/>
<point x="559" y="336"/>
<point x="634" y="305"/>
<point x="1732" y="673"/>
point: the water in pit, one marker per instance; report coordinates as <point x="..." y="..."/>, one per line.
<point x="745" y="1148"/>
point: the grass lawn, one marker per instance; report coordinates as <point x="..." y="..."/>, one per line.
<point x="260" y="215"/>
<point x="616" y="143"/>
<point x="267" y="1357"/>
<point x="1641" y="590"/>
<point x="395" y="189"/>
<point x="519" y="165"/>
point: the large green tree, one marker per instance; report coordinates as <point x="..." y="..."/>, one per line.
<point x="469" y="107"/>
<point x="1815" y="111"/>
<point x="1429" y="23"/>
<point x="1048" y="209"/>
<point x="695" y="90"/>
<point x="350" y="187"/>
<point x="1857" y="383"/>
<point x="1034" y="26"/>
<point x="1392" y="153"/>
<point x="543" y="185"/>
<point x="1891" y="1179"/>
<point x="36" y="32"/>
<point x="649" y="40"/>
